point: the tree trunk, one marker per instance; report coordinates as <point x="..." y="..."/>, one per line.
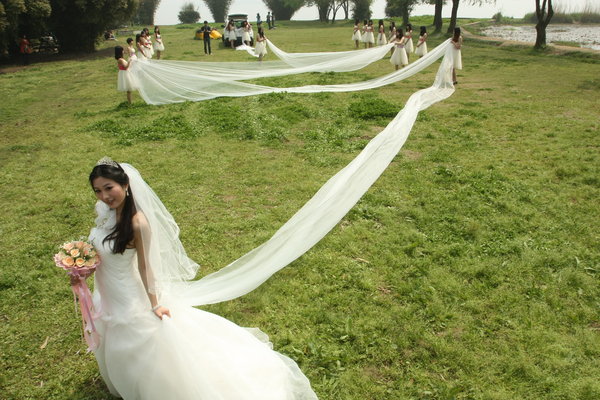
<point x="323" y="12"/>
<point x="543" y="18"/>
<point x="405" y="14"/>
<point x="346" y="7"/>
<point x="437" y="19"/>
<point x="453" y="17"/>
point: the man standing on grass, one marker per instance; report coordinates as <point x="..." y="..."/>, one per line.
<point x="206" y="30"/>
<point x="269" y="19"/>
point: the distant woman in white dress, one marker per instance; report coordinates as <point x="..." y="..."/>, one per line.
<point x="356" y="36"/>
<point x="457" y="41"/>
<point x="149" y="46"/>
<point x="131" y="49"/>
<point x="409" y="43"/>
<point x="399" y="57"/>
<point x="159" y="46"/>
<point x="381" y="39"/>
<point x="369" y="35"/>
<point x="141" y="49"/>
<point x="261" y="44"/>
<point x="231" y="35"/>
<point x="152" y="346"/>
<point x="421" y="48"/>
<point x="246" y="33"/>
<point x="392" y="35"/>
<point x="125" y="81"/>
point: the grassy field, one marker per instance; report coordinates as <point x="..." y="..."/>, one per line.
<point x="470" y="270"/>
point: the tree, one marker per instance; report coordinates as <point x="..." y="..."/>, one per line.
<point x="544" y="14"/>
<point x="188" y="14"/>
<point x="218" y="9"/>
<point x="437" y="16"/>
<point x="145" y="12"/>
<point x="284" y="9"/>
<point x="21" y="17"/>
<point x="454" y="14"/>
<point x="400" y="8"/>
<point x="78" y="24"/>
<point x="324" y="7"/>
<point x="361" y="9"/>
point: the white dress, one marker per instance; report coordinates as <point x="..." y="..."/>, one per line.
<point x="381" y="39"/>
<point x="195" y="355"/>
<point x="125" y="81"/>
<point x="158" y="43"/>
<point x="399" y="57"/>
<point x="369" y="37"/>
<point x="246" y="36"/>
<point x="457" y="55"/>
<point x="409" y="43"/>
<point x="356" y="35"/>
<point x="422" y="49"/>
<point x="261" y="48"/>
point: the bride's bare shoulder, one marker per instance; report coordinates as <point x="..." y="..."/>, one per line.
<point x="139" y="221"/>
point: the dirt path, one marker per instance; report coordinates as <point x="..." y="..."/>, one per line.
<point x="559" y="49"/>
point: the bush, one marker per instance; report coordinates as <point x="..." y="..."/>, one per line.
<point x="188" y="15"/>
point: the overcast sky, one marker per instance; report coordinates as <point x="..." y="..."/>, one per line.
<point x="168" y="9"/>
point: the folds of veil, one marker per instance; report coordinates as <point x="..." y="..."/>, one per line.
<point x="163" y="82"/>
<point x="325" y="209"/>
<point x="165" y="258"/>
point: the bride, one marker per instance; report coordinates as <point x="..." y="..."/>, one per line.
<point x="152" y="345"/>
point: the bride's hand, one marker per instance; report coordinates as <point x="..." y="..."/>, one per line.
<point x="160" y="311"/>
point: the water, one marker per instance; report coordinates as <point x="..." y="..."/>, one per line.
<point x="586" y="35"/>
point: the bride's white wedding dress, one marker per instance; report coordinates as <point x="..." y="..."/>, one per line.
<point x="194" y="355"/>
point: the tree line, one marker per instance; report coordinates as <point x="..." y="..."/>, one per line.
<point x="79" y="24"/>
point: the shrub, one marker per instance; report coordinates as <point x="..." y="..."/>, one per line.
<point x="188" y="15"/>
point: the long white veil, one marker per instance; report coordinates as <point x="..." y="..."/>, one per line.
<point x="315" y="219"/>
<point x="164" y="82"/>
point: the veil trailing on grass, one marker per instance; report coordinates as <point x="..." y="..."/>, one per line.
<point x="163" y="82"/>
<point x="335" y="198"/>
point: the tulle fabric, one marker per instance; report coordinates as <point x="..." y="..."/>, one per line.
<point x="172" y="268"/>
<point x="422" y="49"/>
<point x="125" y="81"/>
<point x="399" y="56"/>
<point x="195" y="355"/>
<point x="327" y="207"/>
<point x="162" y="83"/>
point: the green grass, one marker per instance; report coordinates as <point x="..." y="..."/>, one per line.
<point x="468" y="271"/>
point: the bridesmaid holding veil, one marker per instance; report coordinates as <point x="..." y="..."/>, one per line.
<point x="152" y="345"/>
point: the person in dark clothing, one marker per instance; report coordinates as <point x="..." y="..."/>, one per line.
<point x="206" y="30"/>
<point x="269" y="20"/>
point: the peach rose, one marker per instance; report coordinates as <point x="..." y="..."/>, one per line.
<point x="86" y="252"/>
<point x="68" y="246"/>
<point x="74" y="252"/>
<point x="68" y="261"/>
<point x="90" y="262"/>
<point x="79" y="244"/>
<point x="80" y="262"/>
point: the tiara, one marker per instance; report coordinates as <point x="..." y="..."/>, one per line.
<point x="108" y="161"/>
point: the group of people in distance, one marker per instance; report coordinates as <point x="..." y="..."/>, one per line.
<point x="143" y="49"/>
<point x="403" y="42"/>
<point x="248" y="38"/>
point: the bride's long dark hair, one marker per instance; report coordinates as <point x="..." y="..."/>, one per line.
<point x="122" y="234"/>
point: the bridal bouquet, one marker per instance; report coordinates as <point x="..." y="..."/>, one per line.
<point x="79" y="259"/>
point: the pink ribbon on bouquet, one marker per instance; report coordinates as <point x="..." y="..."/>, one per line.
<point x="82" y="292"/>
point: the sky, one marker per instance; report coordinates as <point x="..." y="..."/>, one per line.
<point x="168" y="9"/>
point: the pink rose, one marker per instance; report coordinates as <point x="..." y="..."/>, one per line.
<point x="79" y="244"/>
<point x="68" y="246"/>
